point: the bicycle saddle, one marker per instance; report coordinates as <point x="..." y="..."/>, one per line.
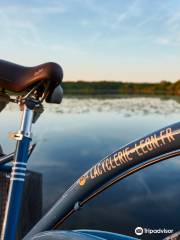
<point x="17" y="78"/>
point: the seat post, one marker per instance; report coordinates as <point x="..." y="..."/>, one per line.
<point x="18" y="173"/>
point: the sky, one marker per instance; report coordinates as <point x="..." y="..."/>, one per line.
<point x="119" y="40"/>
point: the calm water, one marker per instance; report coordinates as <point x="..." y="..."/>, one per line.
<point x="81" y="131"/>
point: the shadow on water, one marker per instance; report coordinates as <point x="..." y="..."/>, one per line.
<point x="81" y="131"/>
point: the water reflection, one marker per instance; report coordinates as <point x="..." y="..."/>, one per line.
<point x="73" y="136"/>
<point x="125" y="105"/>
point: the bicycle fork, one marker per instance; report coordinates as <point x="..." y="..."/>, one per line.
<point x="17" y="176"/>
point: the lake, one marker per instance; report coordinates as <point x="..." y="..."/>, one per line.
<point x="73" y="136"/>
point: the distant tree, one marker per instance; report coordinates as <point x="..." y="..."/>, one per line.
<point x="175" y="88"/>
<point x="111" y="87"/>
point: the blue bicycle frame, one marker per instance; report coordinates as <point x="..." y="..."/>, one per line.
<point x="17" y="176"/>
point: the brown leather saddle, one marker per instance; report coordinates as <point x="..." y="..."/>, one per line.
<point x="17" y="78"/>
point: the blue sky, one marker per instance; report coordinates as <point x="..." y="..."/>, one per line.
<point x="126" y="40"/>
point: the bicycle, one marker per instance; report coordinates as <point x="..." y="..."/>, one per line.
<point x="31" y="86"/>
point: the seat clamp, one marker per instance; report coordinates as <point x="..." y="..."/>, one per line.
<point x="15" y="136"/>
<point x="18" y="135"/>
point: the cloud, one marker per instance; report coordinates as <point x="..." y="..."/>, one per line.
<point x="14" y="29"/>
<point x="163" y="41"/>
<point x="85" y="23"/>
<point x="170" y="24"/>
<point x="112" y="15"/>
<point x="21" y="23"/>
<point x="46" y="8"/>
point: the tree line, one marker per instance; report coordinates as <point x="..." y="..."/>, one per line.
<point x="111" y="87"/>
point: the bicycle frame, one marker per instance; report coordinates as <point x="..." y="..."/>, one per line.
<point x="159" y="143"/>
<point x="17" y="175"/>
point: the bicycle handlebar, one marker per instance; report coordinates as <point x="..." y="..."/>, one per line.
<point x="153" y="145"/>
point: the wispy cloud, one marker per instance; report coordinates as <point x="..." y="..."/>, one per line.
<point x="23" y="23"/>
<point x="111" y="15"/>
<point x="169" y="24"/>
<point x="42" y="9"/>
<point x="163" y="41"/>
<point x="171" y="41"/>
<point x="20" y="29"/>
